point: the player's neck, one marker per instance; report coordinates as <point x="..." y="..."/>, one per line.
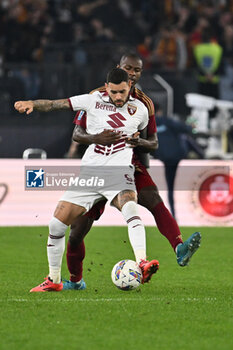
<point x="132" y="90"/>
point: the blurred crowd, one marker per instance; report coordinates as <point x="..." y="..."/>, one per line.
<point x="73" y="43"/>
<point x="163" y="31"/>
<point x="83" y="33"/>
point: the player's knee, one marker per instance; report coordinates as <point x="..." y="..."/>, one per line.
<point x="124" y="197"/>
<point x="56" y="227"/>
<point x="80" y="227"/>
<point x="149" y="197"/>
<point x="130" y="209"/>
<point x="76" y="236"/>
<point x="74" y="241"/>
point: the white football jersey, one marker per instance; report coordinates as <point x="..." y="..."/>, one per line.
<point x="102" y="114"/>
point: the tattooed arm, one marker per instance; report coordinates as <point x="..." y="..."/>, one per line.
<point x="41" y="105"/>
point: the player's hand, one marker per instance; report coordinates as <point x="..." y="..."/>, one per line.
<point x="24" y="106"/>
<point x="133" y="140"/>
<point x="108" y="137"/>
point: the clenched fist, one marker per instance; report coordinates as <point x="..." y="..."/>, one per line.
<point x="24" y="106"/>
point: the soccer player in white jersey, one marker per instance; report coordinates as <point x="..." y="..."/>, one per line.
<point x="148" y="193"/>
<point x="106" y="112"/>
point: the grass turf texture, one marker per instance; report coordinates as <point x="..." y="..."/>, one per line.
<point x="182" y="307"/>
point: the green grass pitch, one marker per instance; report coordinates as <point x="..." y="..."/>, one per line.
<point x="181" y="308"/>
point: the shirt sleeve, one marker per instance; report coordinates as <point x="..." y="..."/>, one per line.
<point x="80" y="102"/>
<point x="81" y="119"/>
<point x="151" y="127"/>
<point x="144" y="122"/>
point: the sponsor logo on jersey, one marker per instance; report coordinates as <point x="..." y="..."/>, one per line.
<point x="106" y="107"/>
<point x="116" y="121"/>
<point x="132" y="109"/>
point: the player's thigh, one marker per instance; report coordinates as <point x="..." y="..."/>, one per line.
<point x="149" y="197"/>
<point x="148" y="194"/>
<point x="124" y="197"/>
<point x="80" y="227"/>
<point x="82" y="224"/>
<point x="66" y="212"/>
<point x="79" y="199"/>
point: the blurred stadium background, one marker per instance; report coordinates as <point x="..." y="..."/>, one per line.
<point x="59" y="48"/>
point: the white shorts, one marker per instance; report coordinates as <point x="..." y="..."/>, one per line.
<point x="88" y="197"/>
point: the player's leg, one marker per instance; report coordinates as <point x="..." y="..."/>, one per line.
<point x="76" y="253"/>
<point x="126" y="202"/>
<point x="76" y="247"/>
<point x="170" y="174"/>
<point x="64" y="215"/>
<point x="148" y="196"/>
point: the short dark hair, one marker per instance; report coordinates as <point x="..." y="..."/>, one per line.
<point x="130" y="54"/>
<point x="117" y="75"/>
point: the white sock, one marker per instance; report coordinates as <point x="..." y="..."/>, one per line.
<point x="55" y="248"/>
<point x="55" y="274"/>
<point x="136" y="230"/>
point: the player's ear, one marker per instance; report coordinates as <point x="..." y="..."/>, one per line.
<point x="118" y="66"/>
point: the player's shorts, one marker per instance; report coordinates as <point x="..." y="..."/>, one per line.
<point x="142" y="180"/>
<point x="119" y="180"/>
<point x="142" y="177"/>
<point x="97" y="210"/>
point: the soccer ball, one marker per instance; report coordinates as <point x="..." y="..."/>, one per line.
<point x="126" y="275"/>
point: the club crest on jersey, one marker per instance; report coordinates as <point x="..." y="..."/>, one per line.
<point x="132" y="109"/>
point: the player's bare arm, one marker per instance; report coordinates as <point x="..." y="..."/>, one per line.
<point x="41" y="105"/>
<point x="106" y="137"/>
<point x="146" y="145"/>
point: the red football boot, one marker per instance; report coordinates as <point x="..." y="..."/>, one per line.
<point x="48" y="286"/>
<point x="148" y="269"/>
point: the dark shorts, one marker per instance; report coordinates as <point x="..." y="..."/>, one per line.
<point x="97" y="210"/>
<point x="142" y="177"/>
<point x="142" y="180"/>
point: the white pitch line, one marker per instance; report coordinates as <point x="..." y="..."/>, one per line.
<point x="97" y="300"/>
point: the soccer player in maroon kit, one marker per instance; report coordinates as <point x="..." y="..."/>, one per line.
<point x="148" y="195"/>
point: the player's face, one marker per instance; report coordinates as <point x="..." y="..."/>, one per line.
<point x="133" y="67"/>
<point x="118" y="93"/>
